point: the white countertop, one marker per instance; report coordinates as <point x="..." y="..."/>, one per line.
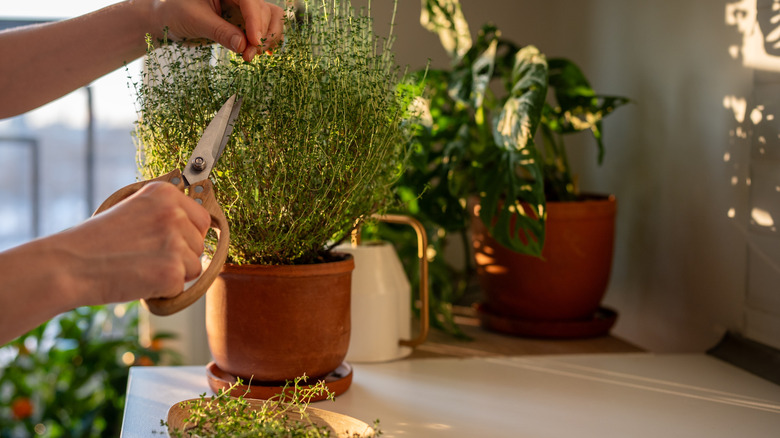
<point x="595" y="395"/>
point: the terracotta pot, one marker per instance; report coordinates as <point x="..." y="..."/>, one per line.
<point x="275" y="323"/>
<point x="570" y="280"/>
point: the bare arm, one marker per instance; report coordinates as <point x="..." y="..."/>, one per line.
<point x="148" y="245"/>
<point x="43" y="62"/>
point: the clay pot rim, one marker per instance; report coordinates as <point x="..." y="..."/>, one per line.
<point x="347" y="264"/>
<point x="589" y="197"/>
<point x="591" y="207"/>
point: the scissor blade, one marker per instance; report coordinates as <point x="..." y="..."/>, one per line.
<point x="213" y="142"/>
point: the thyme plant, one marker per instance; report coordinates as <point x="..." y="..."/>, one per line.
<point x="284" y="415"/>
<point x="319" y="142"/>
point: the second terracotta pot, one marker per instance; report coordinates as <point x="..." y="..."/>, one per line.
<point x="568" y="282"/>
<point x="276" y="323"/>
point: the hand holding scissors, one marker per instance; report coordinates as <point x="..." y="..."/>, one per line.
<point x="195" y="179"/>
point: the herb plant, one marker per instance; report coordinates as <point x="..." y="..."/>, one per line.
<point x="284" y="415"/>
<point x="319" y="142"/>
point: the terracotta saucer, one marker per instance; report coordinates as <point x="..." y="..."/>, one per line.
<point x="337" y="381"/>
<point x="598" y="324"/>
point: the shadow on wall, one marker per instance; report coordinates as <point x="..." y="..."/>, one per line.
<point x="758" y="132"/>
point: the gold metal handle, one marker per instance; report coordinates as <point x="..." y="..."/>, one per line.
<point x="422" y="247"/>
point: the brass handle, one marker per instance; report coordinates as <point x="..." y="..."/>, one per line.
<point x="422" y="246"/>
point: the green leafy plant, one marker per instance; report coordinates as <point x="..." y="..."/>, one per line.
<point x="319" y="142"/>
<point x="575" y="107"/>
<point x="485" y="112"/>
<point x="477" y="140"/>
<point x="68" y="377"/>
<point x="284" y="415"/>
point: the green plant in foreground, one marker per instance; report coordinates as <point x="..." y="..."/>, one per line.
<point x="320" y="139"/>
<point x="282" y="416"/>
<point x="68" y="377"/>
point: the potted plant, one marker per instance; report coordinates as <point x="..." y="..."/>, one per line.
<point x="480" y="171"/>
<point x="319" y="141"/>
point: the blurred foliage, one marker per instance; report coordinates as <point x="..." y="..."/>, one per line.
<point x="68" y="377"/>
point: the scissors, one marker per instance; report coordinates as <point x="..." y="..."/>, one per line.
<point x="195" y="178"/>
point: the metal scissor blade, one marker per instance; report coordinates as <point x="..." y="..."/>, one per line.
<point x="213" y="142"/>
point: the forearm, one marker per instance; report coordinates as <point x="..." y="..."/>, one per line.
<point x="43" y="62"/>
<point x="38" y="284"/>
<point x="146" y="246"/>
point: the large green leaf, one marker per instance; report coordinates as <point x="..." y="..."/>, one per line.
<point x="578" y="107"/>
<point x="445" y="18"/>
<point x="471" y="77"/>
<point x="482" y="73"/>
<point x="511" y="187"/>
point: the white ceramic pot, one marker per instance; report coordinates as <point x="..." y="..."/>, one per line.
<point x="381" y="303"/>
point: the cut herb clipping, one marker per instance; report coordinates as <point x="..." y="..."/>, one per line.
<point x="286" y="415"/>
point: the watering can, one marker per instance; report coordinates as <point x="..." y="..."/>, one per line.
<point x="381" y="298"/>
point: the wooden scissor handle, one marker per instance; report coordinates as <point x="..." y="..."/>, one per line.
<point x="174" y="177"/>
<point x="203" y="193"/>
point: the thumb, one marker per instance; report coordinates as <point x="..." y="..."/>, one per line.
<point x="229" y="29"/>
<point x="226" y="34"/>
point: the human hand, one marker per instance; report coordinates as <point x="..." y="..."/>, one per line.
<point x="193" y="19"/>
<point x="146" y="246"/>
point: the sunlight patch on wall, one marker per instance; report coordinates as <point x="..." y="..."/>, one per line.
<point x="738" y="105"/>
<point x="762" y="217"/>
<point x="760" y="29"/>
<point x="754" y="158"/>
<point x="756" y="115"/>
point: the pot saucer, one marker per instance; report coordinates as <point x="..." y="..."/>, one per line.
<point x="337" y="382"/>
<point x="598" y="324"/>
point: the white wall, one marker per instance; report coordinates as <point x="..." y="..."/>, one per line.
<point x="680" y="268"/>
<point x="675" y="158"/>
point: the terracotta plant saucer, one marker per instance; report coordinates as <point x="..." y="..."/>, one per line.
<point x="598" y="324"/>
<point x="337" y="381"/>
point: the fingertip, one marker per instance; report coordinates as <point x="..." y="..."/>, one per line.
<point x="249" y="53"/>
